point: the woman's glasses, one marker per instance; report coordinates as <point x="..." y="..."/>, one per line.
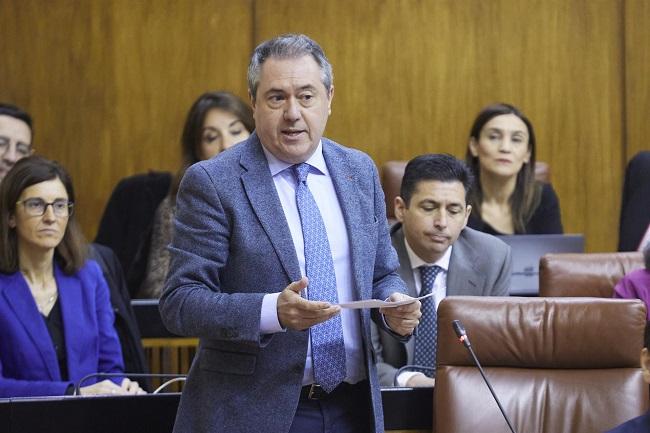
<point x="37" y="207"/>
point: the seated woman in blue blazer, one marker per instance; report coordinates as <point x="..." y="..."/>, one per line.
<point x="56" y="320"/>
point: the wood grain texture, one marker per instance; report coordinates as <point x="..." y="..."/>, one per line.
<point x="411" y="75"/>
<point x="109" y="82"/>
<point x="637" y="77"/>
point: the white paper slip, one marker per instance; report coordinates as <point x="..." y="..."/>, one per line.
<point x="377" y="303"/>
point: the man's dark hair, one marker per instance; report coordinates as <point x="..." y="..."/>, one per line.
<point x="16" y="112"/>
<point x="441" y="167"/>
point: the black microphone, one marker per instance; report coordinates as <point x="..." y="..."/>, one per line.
<point x="459" y="329"/>
<point x="175" y="378"/>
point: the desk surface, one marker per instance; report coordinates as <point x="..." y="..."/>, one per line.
<point x="404" y="408"/>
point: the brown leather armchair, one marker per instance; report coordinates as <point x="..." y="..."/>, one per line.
<point x="589" y="274"/>
<point x="557" y="364"/>
<point x="393" y="171"/>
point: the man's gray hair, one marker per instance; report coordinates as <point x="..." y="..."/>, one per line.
<point x="287" y="46"/>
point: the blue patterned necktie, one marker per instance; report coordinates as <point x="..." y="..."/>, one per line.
<point x="327" y="346"/>
<point x="426" y="339"/>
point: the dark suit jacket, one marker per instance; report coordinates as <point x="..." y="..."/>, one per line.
<point x="635" y="205"/>
<point x="126" y="325"/>
<point x="28" y="363"/>
<point x="480" y="265"/>
<point x="127" y="221"/>
<point x="232" y="245"/>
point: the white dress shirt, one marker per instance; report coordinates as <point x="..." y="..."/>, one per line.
<point x="320" y="184"/>
<point x="439" y="289"/>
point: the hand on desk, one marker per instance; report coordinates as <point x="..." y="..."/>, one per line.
<point x="107" y="387"/>
<point x="403" y="319"/>
<point x="298" y="313"/>
<point x="420" y="381"/>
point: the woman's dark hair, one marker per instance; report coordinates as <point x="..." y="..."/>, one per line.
<point x="528" y="191"/>
<point x="193" y="129"/>
<point x="71" y="252"/>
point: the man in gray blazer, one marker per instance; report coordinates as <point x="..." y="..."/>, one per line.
<point x="270" y="236"/>
<point x="432" y="211"/>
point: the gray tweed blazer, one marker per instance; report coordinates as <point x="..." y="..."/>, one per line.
<point x="232" y="245"/>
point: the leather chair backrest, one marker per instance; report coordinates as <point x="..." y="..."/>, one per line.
<point x="557" y="364"/>
<point x="393" y="171"/>
<point x="588" y="274"/>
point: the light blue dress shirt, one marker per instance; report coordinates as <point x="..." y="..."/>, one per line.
<point x="321" y="186"/>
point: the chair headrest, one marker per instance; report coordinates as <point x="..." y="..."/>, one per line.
<point x="543" y="332"/>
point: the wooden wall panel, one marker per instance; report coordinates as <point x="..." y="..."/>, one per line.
<point x="637" y="76"/>
<point x="411" y="75"/>
<point x="57" y="66"/>
<point x="109" y="82"/>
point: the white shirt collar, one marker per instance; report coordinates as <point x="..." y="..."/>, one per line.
<point x="416" y="261"/>
<point x="316" y="160"/>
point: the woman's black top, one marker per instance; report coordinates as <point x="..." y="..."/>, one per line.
<point x="545" y="220"/>
<point x="54" y="323"/>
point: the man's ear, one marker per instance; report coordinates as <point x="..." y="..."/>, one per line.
<point x="399" y="208"/>
<point x="330" y="96"/>
<point x="252" y="98"/>
<point x="645" y="365"/>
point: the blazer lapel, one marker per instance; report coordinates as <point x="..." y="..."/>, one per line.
<point x="73" y="313"/>
<point x="463" y="279"/>
<point x="21" y="301"/>
<point x="406" y="274"/>
<point x="344" y="180"/>
<point x="405" y="271"/>
<point x="264" y="200"/>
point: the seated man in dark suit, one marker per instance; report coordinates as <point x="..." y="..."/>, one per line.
<point x="438" y="254"/>
<point x="639" y="424"/>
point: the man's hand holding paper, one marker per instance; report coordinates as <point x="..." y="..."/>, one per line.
<point x="404" y="318"/>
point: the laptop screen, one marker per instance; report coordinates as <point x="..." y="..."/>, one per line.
<point x="526" y="252"/>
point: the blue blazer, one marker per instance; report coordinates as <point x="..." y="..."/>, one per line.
<point x="232" y="245"/>
<point x="28" y="363"/>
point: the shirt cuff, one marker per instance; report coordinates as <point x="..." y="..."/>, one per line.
<point x="405" y="376"/>
<point x="269" y="322"/>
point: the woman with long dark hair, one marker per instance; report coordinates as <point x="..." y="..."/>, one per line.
<point x="507" y="198"/>
<point x="215" y="122"/>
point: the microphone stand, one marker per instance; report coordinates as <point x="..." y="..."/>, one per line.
<point x="462" y="336"/>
